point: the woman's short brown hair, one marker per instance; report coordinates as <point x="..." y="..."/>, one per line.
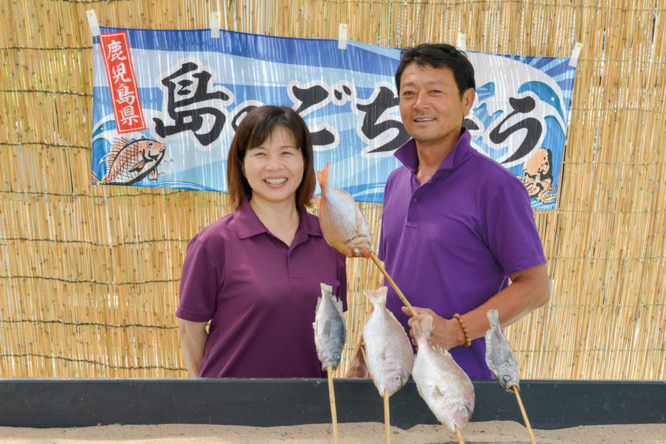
<point x="254" y="129"/>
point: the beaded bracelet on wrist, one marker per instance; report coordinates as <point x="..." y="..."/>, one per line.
<point x="459" y="318"/>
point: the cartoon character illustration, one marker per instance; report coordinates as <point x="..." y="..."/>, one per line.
<point x="129" y="162"/>
<point x="538" y="175"/>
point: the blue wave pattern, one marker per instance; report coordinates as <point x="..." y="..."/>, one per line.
<point x="347" y="97"/>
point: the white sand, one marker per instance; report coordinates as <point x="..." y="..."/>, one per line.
<point x="476" y="432"/>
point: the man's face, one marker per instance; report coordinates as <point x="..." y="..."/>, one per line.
<point x="430" y="104"/>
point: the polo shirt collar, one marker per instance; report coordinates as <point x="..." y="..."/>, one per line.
<point x="248" y="223"/>
<point x="461" y="151"/>
<point x="309" y="224"/>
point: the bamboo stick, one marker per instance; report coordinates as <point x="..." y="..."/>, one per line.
<point x="387" y="419"/>
<point x="522" y="410"/>
<point x="390" y="281"/>
<point x="331" y="397"/>
<point x="459" y="435"/>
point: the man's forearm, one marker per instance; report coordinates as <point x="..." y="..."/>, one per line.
<point x="528" y="291"/>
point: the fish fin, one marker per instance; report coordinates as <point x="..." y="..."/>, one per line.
<point x="365" y="358"/>
<point x="441" y="350"/>
<point x="377" y="296"/>
<point x="360" y="219"/>
<point x="94" y="180"/>
<point x="493" y="319"/>
<point x="140" y="164"/>
<point x="153" y="174"/>
<point x="423" y="328"/>
<point x="322" y="176"/>
<point x="338" y="305"/>
<point x="118" y="145"/>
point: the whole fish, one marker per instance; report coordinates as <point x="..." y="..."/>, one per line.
<point x="499" y="356"/>
<point x="129" y="162"/>
<point x="342" y="222"/>
<point x="329" y="328"/>
<point x="388" y="352"/>
<point x="443" y="385"/>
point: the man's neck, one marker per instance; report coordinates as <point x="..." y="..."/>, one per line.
<point x="431" y="156"/>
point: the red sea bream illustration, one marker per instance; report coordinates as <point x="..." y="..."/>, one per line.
<point x="130" y="161"/>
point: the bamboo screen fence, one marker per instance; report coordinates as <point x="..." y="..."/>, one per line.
<point x="89" y="275"/>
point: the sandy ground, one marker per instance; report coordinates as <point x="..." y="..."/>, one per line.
<point x="476" y="432"/>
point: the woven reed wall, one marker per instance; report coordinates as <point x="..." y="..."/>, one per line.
<point x="89" y="275"/>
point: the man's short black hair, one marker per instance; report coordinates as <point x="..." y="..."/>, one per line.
<point x="439" y="55"/>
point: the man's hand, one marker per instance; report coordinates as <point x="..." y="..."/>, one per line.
<point x="445" y="332"/>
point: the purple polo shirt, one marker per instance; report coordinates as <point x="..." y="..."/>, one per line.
<point x="259" y="294"/>
<point x="451" y="243"/>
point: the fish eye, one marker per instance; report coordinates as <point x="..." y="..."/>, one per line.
<point x="150" y="144"/>
<point x="397" y="378"/>
<point x="462" y="409"/>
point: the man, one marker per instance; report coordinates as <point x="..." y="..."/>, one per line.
<point x="456" y="225"/>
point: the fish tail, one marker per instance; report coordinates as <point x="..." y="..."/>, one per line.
<point x="377" y="297"/>
<point x="422" y="329"/>
<point x="493" y="319"/>
<point x="322" y="176"/>
<point x="326" y="290"/>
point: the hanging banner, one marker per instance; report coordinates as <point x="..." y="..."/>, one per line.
<point x="194" y="90"/>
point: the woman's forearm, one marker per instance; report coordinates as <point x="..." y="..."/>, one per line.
<point x="193" y="337"/>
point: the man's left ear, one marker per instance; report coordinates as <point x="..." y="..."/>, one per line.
<point x="468" y="100"/>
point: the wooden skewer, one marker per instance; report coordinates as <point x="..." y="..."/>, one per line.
<point x="331" y="398"/>
<point x="390" y="281"/>
<point x="522" y="410"/>
<point x="459" y="435"/>
<point x="387" y="419"/>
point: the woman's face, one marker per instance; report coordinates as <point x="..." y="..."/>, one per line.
<point x="274" y="169"/>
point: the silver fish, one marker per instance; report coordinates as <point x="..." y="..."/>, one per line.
<point x="388" y="352"/>
<point x="499" y="356"/>
<point x="129" y="162"/>
<point x="329" y="328"/>
<point x="442" y="384"/>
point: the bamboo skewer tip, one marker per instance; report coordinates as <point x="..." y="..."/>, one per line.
<point x="459" y="435"/>
<point x="331" y="398"/>
<point x="387" y="419"/>
<point x="522" y="410"/>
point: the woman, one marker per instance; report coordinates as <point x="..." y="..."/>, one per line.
<point x="256" y="273"/>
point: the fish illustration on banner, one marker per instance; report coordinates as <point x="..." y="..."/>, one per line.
<point x="129" y="162"/>
<point x="193" y="91"/>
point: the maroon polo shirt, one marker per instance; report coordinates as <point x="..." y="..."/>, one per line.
<point x="451" y="243"/>
<point x="260" y="295"/>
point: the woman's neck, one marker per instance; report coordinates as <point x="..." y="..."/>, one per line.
<point x="281" y="218"/>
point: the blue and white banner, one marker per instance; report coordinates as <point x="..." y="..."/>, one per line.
<point x="195" y="89"/>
